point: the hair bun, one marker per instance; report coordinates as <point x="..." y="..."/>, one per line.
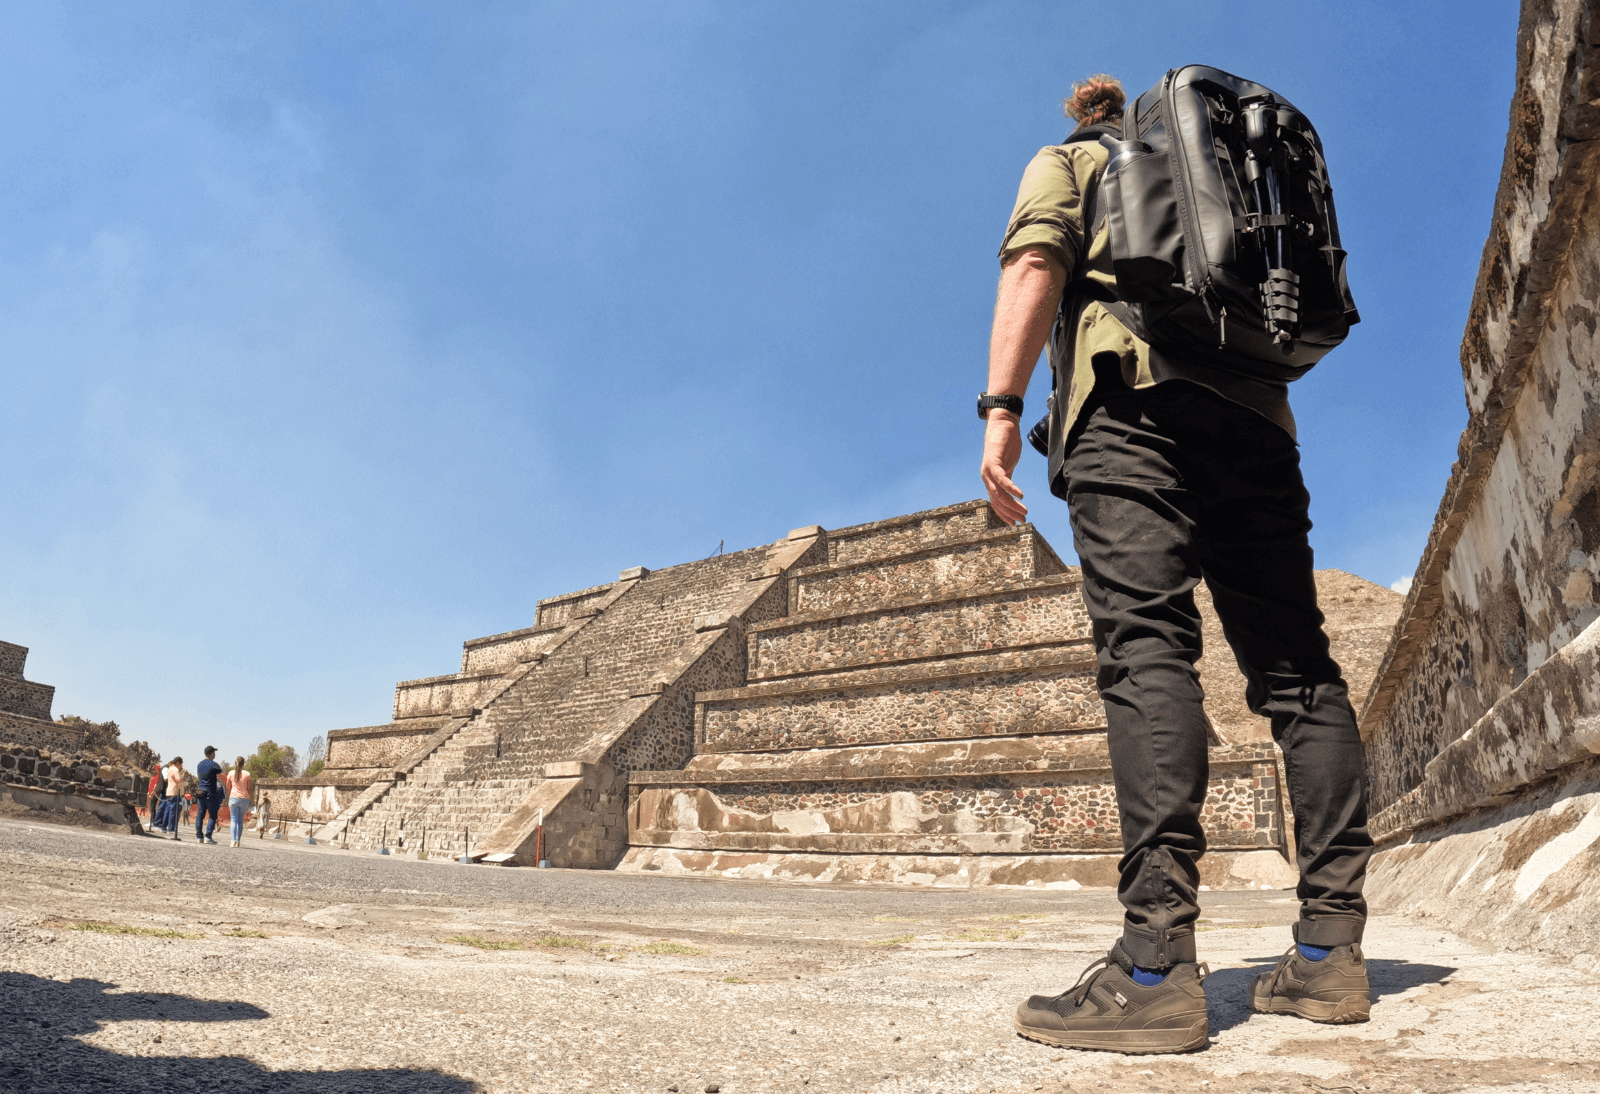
<point x="1095" y="99"/>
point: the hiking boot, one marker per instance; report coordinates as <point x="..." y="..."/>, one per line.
<point x="1107" y="1011"/>
<point x="1332" y="990"/>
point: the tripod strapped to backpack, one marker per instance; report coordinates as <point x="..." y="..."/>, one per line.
<point x="1222" y="228"/>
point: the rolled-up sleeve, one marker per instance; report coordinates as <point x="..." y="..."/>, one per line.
<point x="1049" y="209"/>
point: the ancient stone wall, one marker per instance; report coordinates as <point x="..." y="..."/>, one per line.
<point x="1489" y="693"/>
<point x="372" y="747"/>
<point x="1509" y="575"/>
<point x="43" y="779"/>
<point x="54" y="736"/>
<point x="17" y="695"/>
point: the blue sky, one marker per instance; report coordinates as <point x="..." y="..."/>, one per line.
<point x="339" y="333"/>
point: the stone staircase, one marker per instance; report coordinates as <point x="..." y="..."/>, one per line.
<point x="430" y="805"/>
<point x="926" y="713"/>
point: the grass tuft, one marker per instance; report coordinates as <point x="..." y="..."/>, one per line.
<point x="120" y="928"/>
<point x="985" y="934"/>
<point x="480" y="943"/>
<point x="734" y="980"/>
<point x="671" y="949"/>
<point x="560" y="942"/>
<point x="897" y="940"/>
<point x="244" y="932"/>
<point x="1023" y="918"/>
<point x="895" y="919"/>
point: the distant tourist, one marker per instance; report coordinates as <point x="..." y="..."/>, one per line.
<point x="208" y="796"/>
<point x="263" y="815"/>
<point x="154" y="795"/>
<point x="240" y="786"/>
<point x="171" y="806"/>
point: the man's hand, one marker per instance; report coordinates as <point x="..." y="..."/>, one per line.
<point x="1002" y="447"/>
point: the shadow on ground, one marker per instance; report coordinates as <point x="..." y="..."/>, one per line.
<point x="40" y="1018"/>
<point x="1228" y="990"/>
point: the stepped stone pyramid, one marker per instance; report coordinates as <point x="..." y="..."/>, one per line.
<point x="910" y="700"/>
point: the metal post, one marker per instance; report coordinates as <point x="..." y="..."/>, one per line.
<point x="466" y="846"/>
<point x="383" y="839"/>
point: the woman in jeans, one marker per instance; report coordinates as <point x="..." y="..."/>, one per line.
<point x="240" y="785"/>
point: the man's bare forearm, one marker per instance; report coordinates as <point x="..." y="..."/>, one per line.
<point x="1024" y="309"/>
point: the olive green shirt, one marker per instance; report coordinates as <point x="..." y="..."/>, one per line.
<point x="1050" y="213"/>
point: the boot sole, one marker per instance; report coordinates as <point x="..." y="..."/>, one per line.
<point x="1127" y="1042"/>
<point x="1343" y="1012"/>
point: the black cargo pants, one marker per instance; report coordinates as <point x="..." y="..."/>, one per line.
<point x="1167" y="485"/>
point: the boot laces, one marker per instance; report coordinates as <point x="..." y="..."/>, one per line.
<point x="1283" y="967"/>
<point x="1086" y="979"/>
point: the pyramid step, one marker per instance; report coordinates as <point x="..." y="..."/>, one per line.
<point x="1001" y="556"/>
<point x="1045" y="612"/>
<point x="983" y="695"/>
<point x="912" y="532"/>
<point x="945" y="800"/>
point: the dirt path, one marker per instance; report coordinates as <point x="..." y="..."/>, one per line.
<point x="383" y="975"/>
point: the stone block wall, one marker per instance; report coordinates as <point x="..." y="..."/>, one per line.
<point x="13" y="658"/>
<point x="1483" y="724"/>
<point x="55" y="780"/>
<point x="913" y="532"/>
<point x="499" y="653"/>
<point x="24" y="697"/>
<point x="17" y="695"/>
<point x="441" y="696"/>
<point x="911" y="631"/>
<point x="557" y="611"/>
<point x="301" y="800"/>
<point x="54" y="736"/>
<point x="377" y="747"/>
<point x="1511" y="573"/>
<point x="1046" y="691"/>
<point x="925" y="574"/>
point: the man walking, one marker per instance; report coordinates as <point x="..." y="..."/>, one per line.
<point x="1173" y="471"/>
<point x="207" y="796"/>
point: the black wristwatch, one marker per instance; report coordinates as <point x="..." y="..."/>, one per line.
<point x="987" y="402"/>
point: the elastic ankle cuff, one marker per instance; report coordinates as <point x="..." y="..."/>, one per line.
<point x="1330" y="932"/>
<point x="1148" y="950"/>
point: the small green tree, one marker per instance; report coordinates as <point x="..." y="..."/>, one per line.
<point x="273" y="761"/>
<point x="315" y="768"/>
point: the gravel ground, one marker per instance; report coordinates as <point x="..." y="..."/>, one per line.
<point x="625" y="983"/>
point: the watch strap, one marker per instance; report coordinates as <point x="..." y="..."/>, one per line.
<point x="987" y="402"/>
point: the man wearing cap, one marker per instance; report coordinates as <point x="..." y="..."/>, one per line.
<point x="208" y="796"/>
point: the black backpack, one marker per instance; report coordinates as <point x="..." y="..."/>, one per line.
<point x="1223" y="233"/>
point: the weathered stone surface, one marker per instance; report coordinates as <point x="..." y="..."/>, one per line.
<point x="1031" y="691"/>
<point x="1525" y="873"/>
<point x="38" y="779"/>
<point x="17" y="695"/>
<point x="1489" y="693"/>
<point x="990" y="558"/>
<point x="1048" y="611"/>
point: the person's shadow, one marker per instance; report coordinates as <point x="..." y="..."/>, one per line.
<point x="1228" y="990"/>
<point x="40" y="1020"/>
